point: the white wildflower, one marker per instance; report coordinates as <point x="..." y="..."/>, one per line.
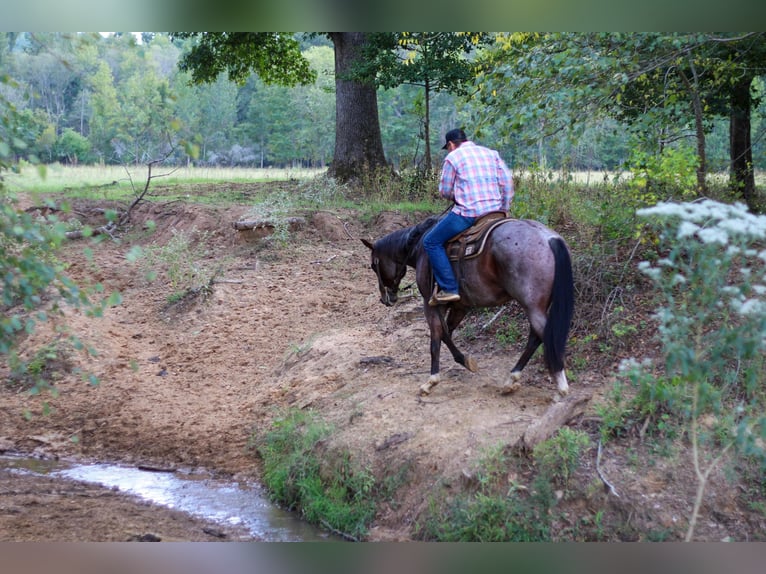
<point x="752" y="307"/>
<point x="729" y="290"/>
<point x="686" y="229"/>
<point x="678" y="279"/>
<point x="632" y="364"/>
<point x="713" y="235"/>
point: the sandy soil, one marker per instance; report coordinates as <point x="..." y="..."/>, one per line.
<point x="186" y="386"/>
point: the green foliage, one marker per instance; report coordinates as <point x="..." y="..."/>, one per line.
<point x="46" y="366"/>
<point x="31" y="275"/>
<point x="327" y="488"/>
<point x="72" y="147"/>
<point x="384" y="186"/>
<point x="493" y="512"/>
<point x="559" y="456"/>
<point x="660" y="177"/>
<point x="180" y="261"/>
<point x="614" y="412"/>
<point x="274" y="56"/>
<point x="34" y="284"/>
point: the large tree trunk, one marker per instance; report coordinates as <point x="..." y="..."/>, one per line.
<point x="358" y="143"/>
<point x="741" y="176"/>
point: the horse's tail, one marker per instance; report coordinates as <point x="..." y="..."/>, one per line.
<point x="562" y="307"/>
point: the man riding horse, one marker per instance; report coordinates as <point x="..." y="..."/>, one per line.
<point x="477" y="180"/>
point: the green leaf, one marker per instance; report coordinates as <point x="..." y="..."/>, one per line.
<point x="135" y="253"/>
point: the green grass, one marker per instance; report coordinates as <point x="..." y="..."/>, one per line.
<point x="328" y="488"/>
<point x="114" y="182"/>
<point x="493" y="508"/>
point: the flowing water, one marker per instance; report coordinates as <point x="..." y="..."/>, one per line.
<point x="223" y="502"/>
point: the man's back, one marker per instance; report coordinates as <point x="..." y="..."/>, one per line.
<point x="477" y="179"/>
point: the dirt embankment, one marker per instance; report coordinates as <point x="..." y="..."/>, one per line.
<point x="186" y="385"/>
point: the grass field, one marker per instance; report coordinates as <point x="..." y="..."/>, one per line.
<point x="112" y="181"/>
<point x="57" y="178"/>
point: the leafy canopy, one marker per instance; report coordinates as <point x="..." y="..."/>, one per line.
<point x="276" y="57"/>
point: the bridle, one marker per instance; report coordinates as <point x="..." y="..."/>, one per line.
<point x="389" y="292"/>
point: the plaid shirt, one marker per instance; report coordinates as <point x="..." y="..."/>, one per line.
<point x="477" y="180"/>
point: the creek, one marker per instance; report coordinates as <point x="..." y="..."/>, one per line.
<point x="197" y="494"/>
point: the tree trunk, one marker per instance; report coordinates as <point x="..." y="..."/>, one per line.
<point x="429" y="165"/>
<point x="694" y="92"/>
<point x="741" y="176"/>
<point x="358" y="142"/>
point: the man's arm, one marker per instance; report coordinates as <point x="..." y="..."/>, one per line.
<point x="447" y="181"/>
<point x="505" y="180"/>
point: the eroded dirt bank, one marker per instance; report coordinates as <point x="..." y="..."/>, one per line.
<point x="186" y="385"/>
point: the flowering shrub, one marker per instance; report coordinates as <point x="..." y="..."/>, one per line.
<point x="712" y="327"/>
<point x="712" y="323"/>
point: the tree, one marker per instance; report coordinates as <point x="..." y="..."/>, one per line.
<point x="276" y="58"/>
<point x="434" y="61"/>
<point x="71" y="147"/>
<point x="105" y="111"/>
<point x="654" y="81"/>
<point x="358" y="143"/>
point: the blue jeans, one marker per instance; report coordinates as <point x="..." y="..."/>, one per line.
<point x="433" y="242"/>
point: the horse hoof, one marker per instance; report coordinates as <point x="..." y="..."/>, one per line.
<point x="471" y="364"/>
<point x="425" y="388"/>
<point x="516" y="375"/>
<point x="509" y="389"/>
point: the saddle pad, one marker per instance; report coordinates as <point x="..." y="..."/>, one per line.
<point x="470" y="242"/>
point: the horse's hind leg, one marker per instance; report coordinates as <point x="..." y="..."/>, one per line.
<point x="533" y="343"/>
<point x="537" y="321"/>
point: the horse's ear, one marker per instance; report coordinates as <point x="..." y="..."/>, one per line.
<point x="367" y="243"/>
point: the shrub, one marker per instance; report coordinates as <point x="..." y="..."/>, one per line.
<point x="712" y="329"/>
<point x="559" y="456"/>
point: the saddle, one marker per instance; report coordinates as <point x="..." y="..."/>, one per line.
<point x="470" y="243"/>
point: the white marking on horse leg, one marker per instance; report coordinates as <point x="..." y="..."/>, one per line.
<point x="561" y="382"/>
<point x="425" y="388"/>
<point x="512" y="384"/>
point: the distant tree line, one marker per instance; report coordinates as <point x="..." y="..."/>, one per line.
<point x="573" y="101"/>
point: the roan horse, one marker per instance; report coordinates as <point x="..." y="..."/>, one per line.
<point x="522" y="260"/>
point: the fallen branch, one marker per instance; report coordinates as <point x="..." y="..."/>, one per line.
<point x="103" y="230"/>
<point x="552" y="420"/>
<point x="246" y="224"/>
<point x="338" y="532"/>
<point x="601" y="474"/>
<point x="317" y="261"/>
<point x="493" y="319"/>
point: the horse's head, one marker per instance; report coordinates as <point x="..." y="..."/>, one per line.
<point x="389" y="272"/>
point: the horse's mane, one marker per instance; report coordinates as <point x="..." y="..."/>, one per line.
<point x="401" y="244"/>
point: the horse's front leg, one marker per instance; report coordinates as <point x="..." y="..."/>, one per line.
<point x="455" y="316"/>
<point x="441" y="331"/>
<point x="436" y="327"/>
